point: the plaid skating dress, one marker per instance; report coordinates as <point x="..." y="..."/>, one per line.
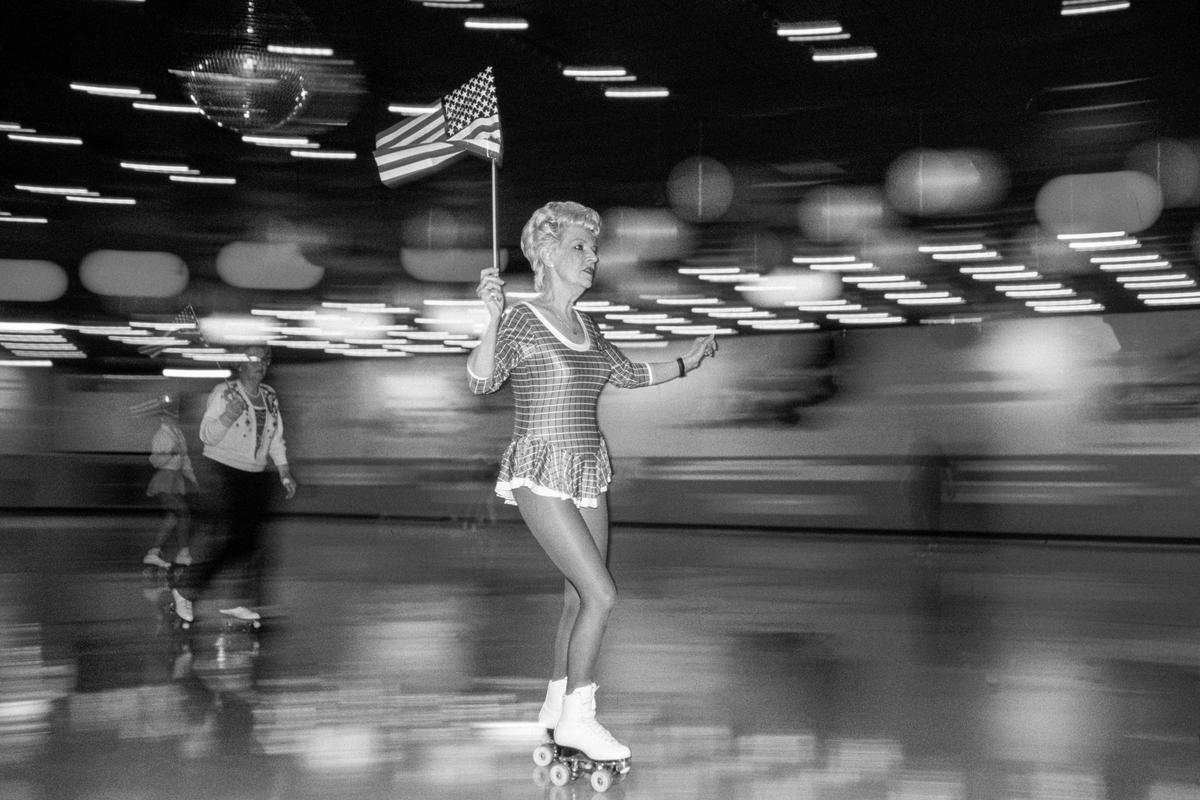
<point x="557" y="449"/>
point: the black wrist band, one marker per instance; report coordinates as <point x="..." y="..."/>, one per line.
<point x="682" y="371"/>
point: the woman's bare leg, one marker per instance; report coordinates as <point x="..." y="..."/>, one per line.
<point x="576" y="540"/>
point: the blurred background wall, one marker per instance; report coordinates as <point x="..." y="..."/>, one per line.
<point x="1064" y="426"/>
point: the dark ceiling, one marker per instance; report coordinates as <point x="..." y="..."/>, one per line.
<point x="1045" y="94"/>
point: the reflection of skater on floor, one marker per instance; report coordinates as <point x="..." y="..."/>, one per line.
<point x="171" y="484"/>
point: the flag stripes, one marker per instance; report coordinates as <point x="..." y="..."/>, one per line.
<point x="466" y="121"/>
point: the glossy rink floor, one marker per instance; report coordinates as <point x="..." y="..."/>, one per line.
<point x="407" y="660"/>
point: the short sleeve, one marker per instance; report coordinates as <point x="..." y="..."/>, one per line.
<point x="510" y="338"/>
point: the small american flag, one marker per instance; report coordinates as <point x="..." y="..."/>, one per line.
<point x="466" y="121"/>
<point x="183" y="324"/>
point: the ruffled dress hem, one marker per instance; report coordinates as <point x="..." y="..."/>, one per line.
<point x="504" y="490"/>
<point x="579" y="475"/>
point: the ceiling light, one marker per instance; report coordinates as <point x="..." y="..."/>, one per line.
<point x="1077" y="7"/>
<point x="343" y="155"/>
<point x="825" y="37"/>
<point x="1130" y="266"/>
<point x="168" y="108"/>
<point x="823" y="259"/>
<point x="948" y="248"/>
<point x="1186" y="283"/>
<point x="965" y="255"/>
<point x="496" y="23"/>
<point x="111" y="91"/>
<point x="289" y="50"/>
<point x="633" y="92"/>
<point x="822" y="28"/>
<point x="1170" y="298"/>
<point x="450" y="4"/>
<point x="43" y="138"/>
<point x="1125" y="258"/>
<point x="594" y="72"/>
<point x="142" y="166"/>
<point x="1131" y="279"/>
<point x="411" y="110"/>
<point x="26" y="363"/>
<point x="1103" y="235"/>
<point x="40" y="189"/>
<point x="25" y="220"/>
<point x="844" y="54"/>
<point x="203" y="179"/>
<point x="278" y="141"/>
<point x="1050" y="307"/>
<point x="1104" y="244"/>
<point x="110" y="201"/>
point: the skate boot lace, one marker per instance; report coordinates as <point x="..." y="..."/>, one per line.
<point x="588" y="720"/>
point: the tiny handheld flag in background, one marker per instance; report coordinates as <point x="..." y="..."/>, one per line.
<point x="184" y="324"/>
<point x="466" y="121"/>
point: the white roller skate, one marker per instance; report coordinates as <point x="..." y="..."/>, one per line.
<point x="584" y="746"/>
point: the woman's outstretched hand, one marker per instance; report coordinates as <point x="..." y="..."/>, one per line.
<point x="704" y="347"/>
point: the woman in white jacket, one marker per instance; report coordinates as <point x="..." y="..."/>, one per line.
<point x="242" y="430"/>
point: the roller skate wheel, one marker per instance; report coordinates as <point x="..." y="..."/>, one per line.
<point x="602" y="780"/>
<point x="560" y="774"/>
<point x="541" y="777"/>
<point x="543" y="755"/>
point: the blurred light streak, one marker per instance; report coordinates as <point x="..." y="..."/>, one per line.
<point x="594" y="72"/>
<point x="844" y="54"/>
<point x="947" y="300"/>
<point x="290" y="50"/>
<point x="1102" y="235"/>
<point x="636" y="92"/>
<point x="1041" y="293"/>
<point x="99" y="200"/>
<point x="26" y="363"/>
<point x="24" y="220"/>
<point x="1007" y="276"/>
<point x="966" y="255"/>
<point x="1109" y="244"/>
<point x="167" y="108"/>
<point x="779" y="324"/>
<point x="496" y="23"/>
<point x="59" y="190"/>
<point x="1079" y="7"/>
<point x="208" y="374"/>
<point x="42" y="138"/>
<point x="819" y="28"/>
<point x="873" y="318"/>
<point x="687" y="301"/>
<point x="408" y="110"/>
<point x="29" y="326"/>
<point x="111" y="91"/>
<point x="949" y="248"/>
<point x="1162" y="284"/>
<point x="332" y="155"/>
<point x="203" y="179"/>
<point x="858" y="266"/>
<point x="144" y="166"/>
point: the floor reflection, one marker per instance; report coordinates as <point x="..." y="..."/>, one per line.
<point x="403" y="660"/>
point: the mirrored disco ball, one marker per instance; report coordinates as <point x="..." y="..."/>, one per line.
<point x="230" y="71"/>
<point x="246" y="89"/>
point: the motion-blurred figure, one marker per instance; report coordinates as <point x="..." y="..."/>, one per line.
<point x="242" y="430"/>
<point x="556" y="469"/>
<point x="927" y="484"/>
<point x="171" y="484"/>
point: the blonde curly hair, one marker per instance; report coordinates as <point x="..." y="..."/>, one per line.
<point x="544" y="230"/>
